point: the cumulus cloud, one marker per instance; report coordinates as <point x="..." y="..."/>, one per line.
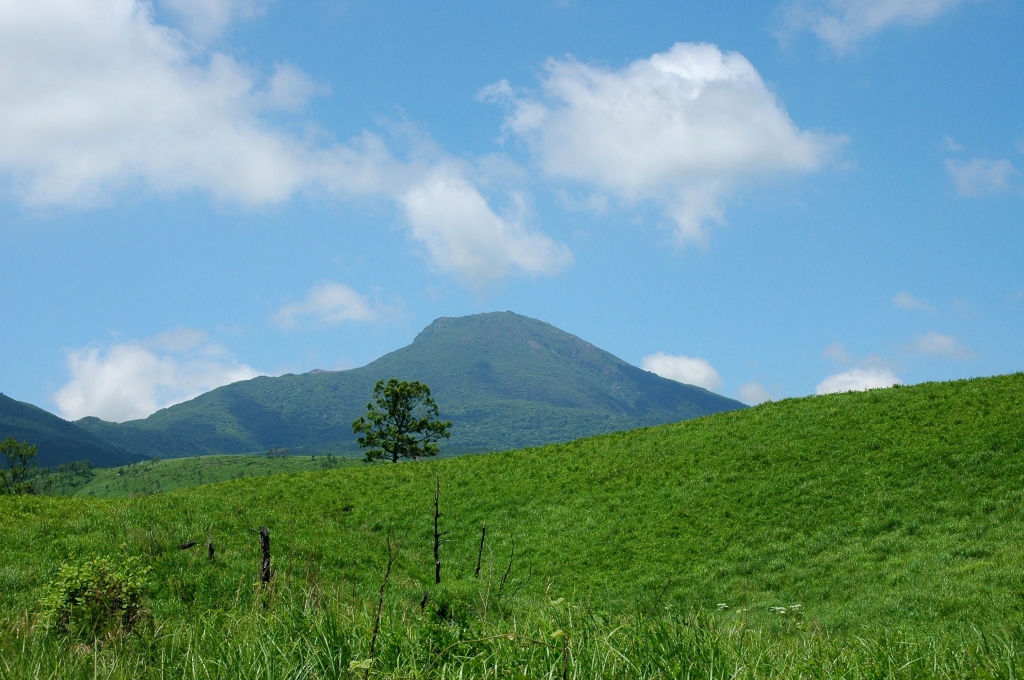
<point x="904" y="300"/>
<point x="465" y="237"/>
<point x="131" y="380"/>
<point x="844" y="23"/>
<point x="329" y="303"/>
<point x="857" y="380"/>
<point x="940" y="345"/>
<point x="689" y="370"/>
<point x="980" y="176"/>
<point x="97" y="97"/>
<point x="754" y="393"/>
<point x="681" y="128"/>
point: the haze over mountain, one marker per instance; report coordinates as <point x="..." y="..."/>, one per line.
<point x="58" y="440"/>
<point x="504" y="380"/>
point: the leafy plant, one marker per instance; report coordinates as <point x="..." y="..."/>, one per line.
<point x="96" y="598"/>
<point x="20" y="458"/>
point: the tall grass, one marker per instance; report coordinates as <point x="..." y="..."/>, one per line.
<point x="316" y="635"/>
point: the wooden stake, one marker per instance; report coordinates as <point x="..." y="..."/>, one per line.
<point x="437" y="535"/>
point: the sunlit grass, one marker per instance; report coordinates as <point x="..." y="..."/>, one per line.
<point x="893" y="518"/>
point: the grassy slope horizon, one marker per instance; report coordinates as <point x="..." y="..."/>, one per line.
<point x="171" y="474"/>
<point x="895" y="507"/>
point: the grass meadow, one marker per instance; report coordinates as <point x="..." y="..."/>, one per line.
<point x="864" y="535"/>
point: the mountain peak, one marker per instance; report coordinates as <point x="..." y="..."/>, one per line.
<point x="503" y="379"/>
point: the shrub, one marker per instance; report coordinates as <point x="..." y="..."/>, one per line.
<point x="96" y="598"/>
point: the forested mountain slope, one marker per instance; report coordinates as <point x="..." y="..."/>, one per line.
<point x="504" y="380"/>
<point x="58" y="440"/>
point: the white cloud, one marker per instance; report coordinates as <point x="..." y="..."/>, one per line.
<point x="97" y="97"/>
<point x="904" y="300"/>
<point x="951" y="144"/>
<point x="131" y="380"/>
<point x="682" y="128"/>
<point x="465" y="237"/>
<point x="329" y="303"/>
<point x="843" y="23"/>
<point x="689" y="370"/>
<point x="940" y="345"/>
<point x="754" y="393"/>
<point x="857" y="379"/>
<point x="980" y="175"/>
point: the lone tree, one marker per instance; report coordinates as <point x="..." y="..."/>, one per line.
<point x="20" y="459"/>
<point x="400" y="422"/>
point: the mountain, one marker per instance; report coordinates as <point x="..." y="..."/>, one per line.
<point x="504" y="380"/>
<point x="58" y="440"/>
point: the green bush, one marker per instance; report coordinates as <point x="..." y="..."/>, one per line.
<point x="96" y="598"/>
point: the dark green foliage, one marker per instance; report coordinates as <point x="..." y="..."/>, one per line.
<point x="58" y="440"/>
<point x="504" y="380"/>
<point x="65" y="478"/>
<point x="401" y="422"/>
<point x="19" y="461"/>
<point x="95" y="598"/>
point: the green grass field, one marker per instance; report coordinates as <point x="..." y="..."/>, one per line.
<point x="864" y="535"/>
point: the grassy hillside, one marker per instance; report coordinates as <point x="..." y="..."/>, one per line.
<point x="504" y="380"/>
<point x="861" y="531"/>
<point x="58" y="440"/>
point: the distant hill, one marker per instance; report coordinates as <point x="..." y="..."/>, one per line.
<point x="58" y="440"/>
<point x="504" y="380"/>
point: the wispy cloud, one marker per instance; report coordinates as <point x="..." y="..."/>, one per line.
<point x="837" y="353"/>
<point x="207" y="19"/>
<point x="684" y="369"/>
<point x="939" y="345"/>
<point x="844" y="23"/>
<point x="134" y="379"/>
<point x="904" y="300"/>
<point x="682" y="128"/>
<point x="980" y="176"/>
<point x="754" y="393"/>
<point x="326" y="303"/>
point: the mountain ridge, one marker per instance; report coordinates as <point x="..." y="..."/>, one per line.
<point x="504" y="380"/>
<point x="58" y="440"/>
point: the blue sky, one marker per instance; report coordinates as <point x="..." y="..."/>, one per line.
<point x="769" y="199"/>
